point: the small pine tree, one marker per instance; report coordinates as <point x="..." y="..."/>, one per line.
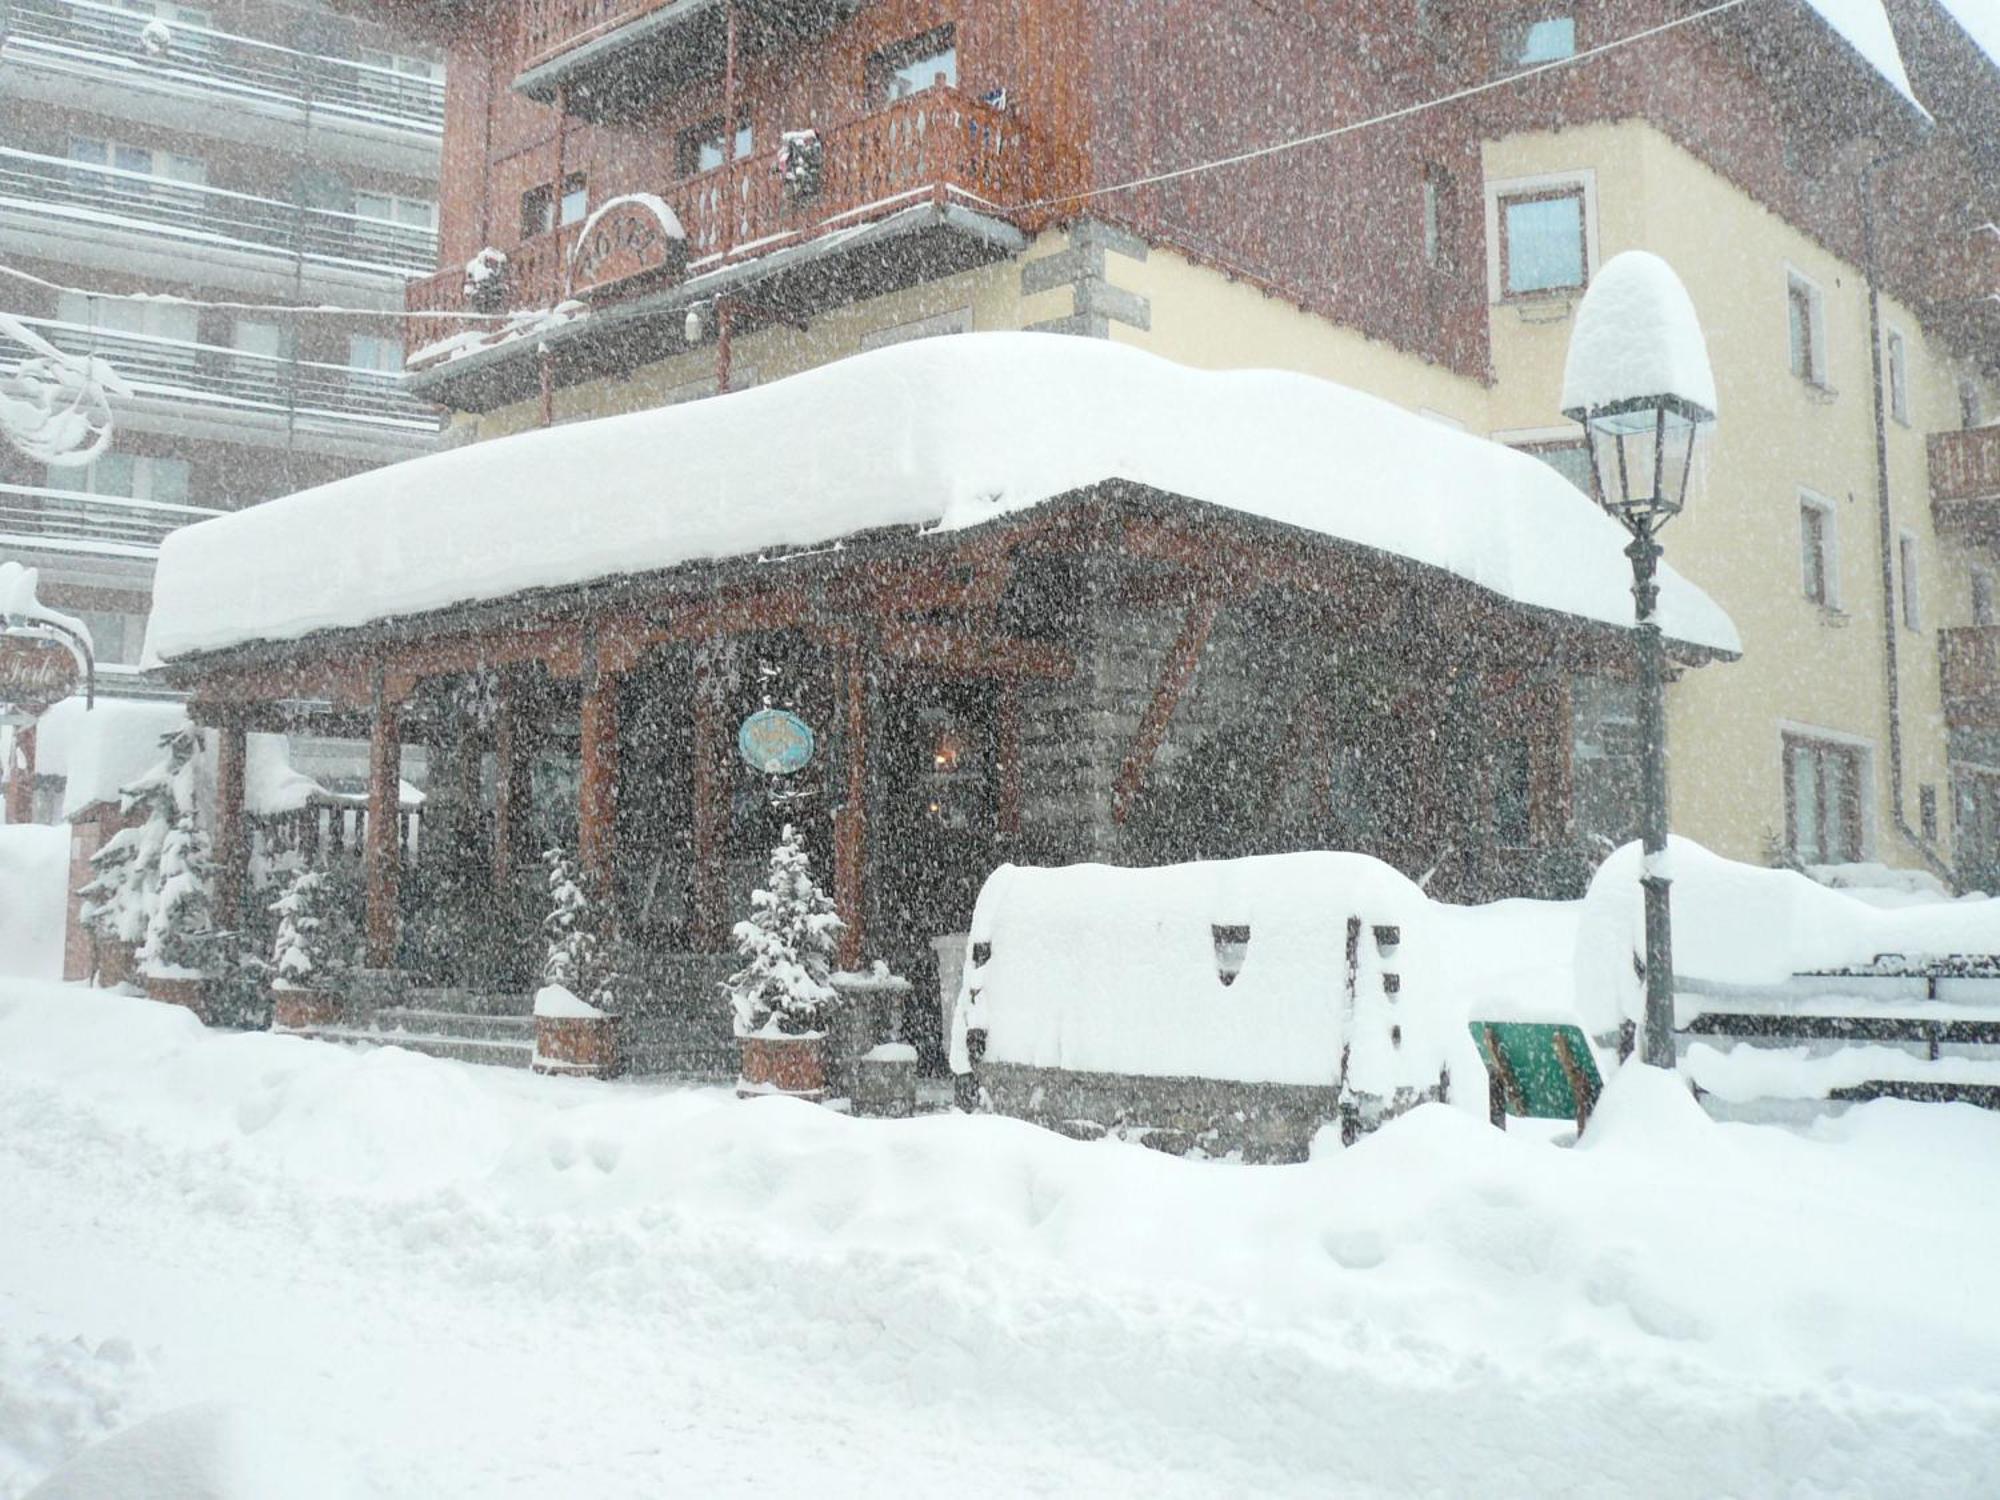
<point x="787" y="944"/>
<point x="315" y="940"/>
<point x="579" y="955"/>
<point x="154" y="882"/>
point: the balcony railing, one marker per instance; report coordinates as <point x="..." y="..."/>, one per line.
<point x="82" y="36"/>
<point x="98" y="525"/>
<point x="252" y="384"/>
<point x="1965" y="469"/>
<point x="195" y="213"/>
<point x="1969" y="668"/>
<point x="937" y="146"/>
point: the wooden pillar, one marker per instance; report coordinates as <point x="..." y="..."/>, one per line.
<point x="729" y="45"/>
<point x="1007" y="765"/>
<point x="21" y="778"/>
<point x="510" y="793"/>
<point x="232" y="839"/>
<point x="708" y="918"/>
<point x="850" y="824"/>
<point x="383" y="853"/>
<point x="597" y="813"/>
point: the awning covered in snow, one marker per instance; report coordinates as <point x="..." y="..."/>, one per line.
<point x="945" y="434"/>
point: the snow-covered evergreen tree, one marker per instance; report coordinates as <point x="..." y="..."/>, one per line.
<point x="787" y="944"/>
<point x="579" y="958"/>
<point x="315" y="940"/>
<point x="154" y="884"/>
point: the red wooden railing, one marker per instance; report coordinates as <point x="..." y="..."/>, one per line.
<point x="1965" y="465"/>
<point x="1969" y="668"/>
<point x="934" y="146"/>
<point x="550" y="27"/>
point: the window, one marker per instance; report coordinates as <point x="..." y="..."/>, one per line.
<point x="1542" y="244"/>
<point x="1805" y="311"/>
<point x="270" y="340"/>
<point x="121" y="156"/>
<point x="1823" y="781"/>
<point x="1571" y="460"/>
<point x="1439" y="211"/>
<point x="1545" y="40"/>
<point x="699" y="148"/>
<point x="1970" y="408"/>
<point x="1906" y="567"/>
<point x="1982" y="597"/>
<point x="913" y="66"/>
<point x="1513" y="794"/>
<point x="128" y="476"/>
<point x="153" y="320"/>
<point x="413" y="213"/>
<point x="1816" y="551"/>
<point x="538" y="205"/>
<point x="1899" y="377"/>
<point x="374" y="354"/>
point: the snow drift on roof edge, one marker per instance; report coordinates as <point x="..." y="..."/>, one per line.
<point x="946" y="433"/>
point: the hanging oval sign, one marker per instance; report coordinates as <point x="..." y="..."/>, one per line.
<point x="776" y="742"/>
<point x="35" y="673"/>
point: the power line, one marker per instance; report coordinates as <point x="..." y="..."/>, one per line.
<point x="1406" y="112"/>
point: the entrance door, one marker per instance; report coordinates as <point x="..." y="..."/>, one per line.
<point x="940" y="825"/>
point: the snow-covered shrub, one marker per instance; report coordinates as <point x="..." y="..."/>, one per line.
<point x="580" y="958"/>
<point x="154" y="884"/>
<point x="314" y="945"/>
<point x="801" y="162"/>
<point x="484" y="276"/>
<point x="787" y="943"/>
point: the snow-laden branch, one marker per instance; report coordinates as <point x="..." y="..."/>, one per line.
<point x="55" y="407"/>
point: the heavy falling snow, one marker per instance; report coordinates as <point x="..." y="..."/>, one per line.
<point x="1079" y="748"/>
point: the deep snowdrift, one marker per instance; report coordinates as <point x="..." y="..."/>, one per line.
<point x="34" y="870"/>
<point x="926" y="434"/>
<point x="474" y="1283"/>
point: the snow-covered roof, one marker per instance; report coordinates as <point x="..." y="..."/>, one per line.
<point x="1637" y="336"/>
<point x="1980" y="20"/>
<point x="18" y="602"/>
<point x="1864" y="26"/>
<point x="105" y="749"/>
<point x="943" y="433"/>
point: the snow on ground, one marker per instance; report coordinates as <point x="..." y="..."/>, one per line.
<point x="474" y="1283"/>
<point x="34" y="866"/>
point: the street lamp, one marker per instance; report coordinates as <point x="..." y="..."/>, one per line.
<point x="1638" y="380"/>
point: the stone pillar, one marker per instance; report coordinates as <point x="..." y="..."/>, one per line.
<point x="383" y="852"/>
<point x="232" y="837"/>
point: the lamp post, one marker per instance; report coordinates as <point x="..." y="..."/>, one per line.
<point x="1638" y="380"/>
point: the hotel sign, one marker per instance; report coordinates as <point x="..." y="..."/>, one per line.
<point x="35" y="673"/>
<point x="775" y="742"/>
<point x="636" y="235"/>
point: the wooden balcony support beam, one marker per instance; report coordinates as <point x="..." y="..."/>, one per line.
<point x="232" y="839"/>
<point x="708" y="924"/>
<point x="1176" y="672"/>
<point x="597" y="811"/>
<point x="383" y="852"/>
<point x="850" y="823"/>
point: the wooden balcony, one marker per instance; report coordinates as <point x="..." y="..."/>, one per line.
<point x="1969" y="667"/>
<point x="610" y="57"/>
<point x="1965" y="483"/>
<point x="961" y="180"/>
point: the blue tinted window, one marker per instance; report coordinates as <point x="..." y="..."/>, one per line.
<point x="1544" y="243"/>
<point x="1547" y="41"/>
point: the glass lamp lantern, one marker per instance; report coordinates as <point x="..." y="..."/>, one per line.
<point x="1642" y="456"/>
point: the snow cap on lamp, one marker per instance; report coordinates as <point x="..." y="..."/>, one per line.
<point x="1636" y="336"/>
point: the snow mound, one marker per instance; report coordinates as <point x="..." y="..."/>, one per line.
<point x="34" y="900"/>
<point x="925" y="434"/>
<point x="1736" y="924"/>
<point x="1637" y="335"/>
<point x="1647" y="1109"/>
<point x="57" y="1396"/>
<point x="103" y="749"/>
<point x="205" y="1452"/>
<point x="555" y="1003"/>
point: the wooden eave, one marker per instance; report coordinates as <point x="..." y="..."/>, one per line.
<point x="1233" y="554"/>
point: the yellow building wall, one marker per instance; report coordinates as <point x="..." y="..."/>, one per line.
<point x="1803" y="666"/>
<point x="1204" y="319"/>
